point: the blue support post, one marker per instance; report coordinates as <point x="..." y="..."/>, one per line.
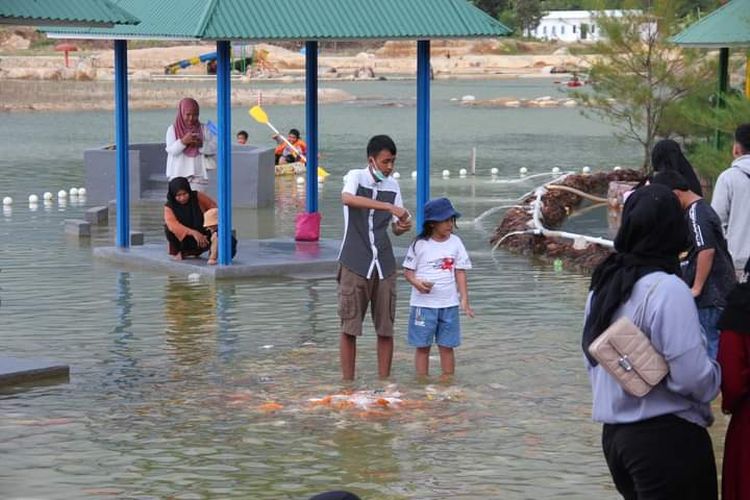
<point x="224" y="156"/>
<point x="122" y="175"/>
<point x="423" y="129"/>
<point x="311" y="123"/>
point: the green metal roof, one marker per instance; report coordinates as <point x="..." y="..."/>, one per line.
<point x="64" y="13"/>
<point x="727" y="26"/>
<point x="298" y="20"/>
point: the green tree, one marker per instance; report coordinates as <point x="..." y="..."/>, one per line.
<point x="492" y="7"/>
<point x="688" y="6"/>
<point x="639" y="74"/>
<point x="705" y="119"/>
<point x="527" y="14"/>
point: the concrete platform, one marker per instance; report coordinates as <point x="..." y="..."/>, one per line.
<point x="16" y="371"/>
<point x="273" y="257"/>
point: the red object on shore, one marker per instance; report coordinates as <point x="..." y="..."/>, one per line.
<point x="65" y="47"/>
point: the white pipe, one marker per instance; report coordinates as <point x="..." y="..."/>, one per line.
<point x="536" y="217"/>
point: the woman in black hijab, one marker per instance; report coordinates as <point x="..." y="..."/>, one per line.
<point x="667" y="155"/>
<point x="183" y="219"/>
<point x="656" y="446"/>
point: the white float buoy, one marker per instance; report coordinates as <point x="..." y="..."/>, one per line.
<point x="7" y="201"/>
<point x="300" y="180"/>
<point x="62" y="194"/>
<point x="618" y="168"/>
<point x="586" y="170"/>
<point x="468" y="98"/>
<point x="523" y="170"/>
<point x="446" y="173"/>
<point x="396" y="175"/>
<point x="494" y="171"/>
<point x="33" y="198"/>
<point x="81" y="191"/>
<point x="556" y="170"/>
<point x="47" y="195"/>
<point x="413" y="174"/>
<point x="463" y="172"/>
<point x="73" y="192"/>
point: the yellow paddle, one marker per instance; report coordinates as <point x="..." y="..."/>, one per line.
<point x="259" y="115"/>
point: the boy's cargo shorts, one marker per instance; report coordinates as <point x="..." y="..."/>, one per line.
<point x="356" y="292"/>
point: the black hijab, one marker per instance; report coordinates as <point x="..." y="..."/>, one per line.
<point x="667" y="155"/>
<point x="189" y="214"/>
<point x="650" y="238"/>
<point x="736" y="315"/>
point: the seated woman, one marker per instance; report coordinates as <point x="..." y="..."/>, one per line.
<point x="183" y="220"/>
<point x="656" y="446"/>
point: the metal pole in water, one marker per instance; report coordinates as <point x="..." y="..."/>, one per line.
<point x="224" y="169"/>
<point x="311" y="122"/>
<point x="473" y="165"/>
<point x="122" y="179"/>
<point x="423" y="128"/>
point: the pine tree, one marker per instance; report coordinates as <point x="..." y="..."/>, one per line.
<point x="639" y="73"/>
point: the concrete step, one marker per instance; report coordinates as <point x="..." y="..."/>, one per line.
<point x="158" y="178"/>
<point x="155" y="194"/>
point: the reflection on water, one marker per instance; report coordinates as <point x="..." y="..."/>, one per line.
<point x="185" y="389"/>
<point x="191" y="332"/>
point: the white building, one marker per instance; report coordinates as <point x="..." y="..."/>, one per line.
<point x="570" y="25"/>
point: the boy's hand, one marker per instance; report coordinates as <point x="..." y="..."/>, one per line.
<point x="403" y="226"/>
<point x="401" y="213"/>
<point x="466" y="308"/>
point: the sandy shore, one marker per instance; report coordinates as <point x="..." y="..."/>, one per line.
<point x="87" y="84"/>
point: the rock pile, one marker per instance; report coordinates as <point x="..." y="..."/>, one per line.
<point x="557" y="206"/>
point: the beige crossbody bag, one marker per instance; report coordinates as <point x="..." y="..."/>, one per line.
<point x="626" y="353"/>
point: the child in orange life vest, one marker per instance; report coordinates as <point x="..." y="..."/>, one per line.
<point x="285" y="154"/>
<point x="435" y="266"/>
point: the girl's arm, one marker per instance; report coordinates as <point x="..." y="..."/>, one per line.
<point x="411" y="277"/>
<point x="463" y="291"/>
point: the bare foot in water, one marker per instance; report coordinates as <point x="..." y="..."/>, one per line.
<point x="177" y="257"/>
<point x="211" y="262"/>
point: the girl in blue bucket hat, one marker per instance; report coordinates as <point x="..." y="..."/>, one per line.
<point x="435" y="266"/>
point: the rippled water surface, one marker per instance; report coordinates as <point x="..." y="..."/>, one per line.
<point x="185" y="389"/>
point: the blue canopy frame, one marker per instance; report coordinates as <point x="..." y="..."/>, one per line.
<point x="224" y="114"/>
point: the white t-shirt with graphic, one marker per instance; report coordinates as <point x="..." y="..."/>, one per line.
<point x="437" y="262"/>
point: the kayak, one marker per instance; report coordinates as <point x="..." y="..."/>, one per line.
<point x="297" y="168"/>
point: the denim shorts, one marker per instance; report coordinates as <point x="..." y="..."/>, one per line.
<point x="429" y="325"/>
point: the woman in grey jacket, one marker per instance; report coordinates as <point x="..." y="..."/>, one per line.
<point x="656" y="446"/>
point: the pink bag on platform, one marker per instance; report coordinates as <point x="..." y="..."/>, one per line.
<point x="307" y="226"/>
